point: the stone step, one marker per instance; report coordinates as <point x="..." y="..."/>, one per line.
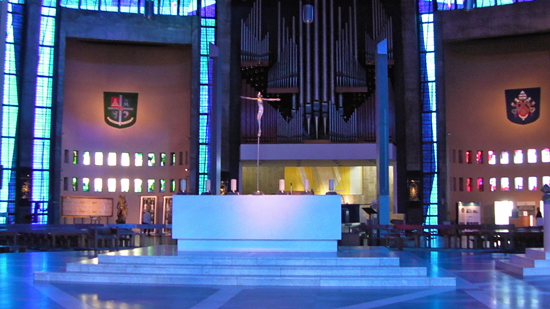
<point x="248" y="270"/>
<point x="228" y="260"/>
<point x="347" y="281"/>
<point x="525" y="261"/>
<point x="521" y="270"/>
<point x="537" y="253"/>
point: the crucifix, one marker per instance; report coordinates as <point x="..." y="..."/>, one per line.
<point x="260" y="99"/>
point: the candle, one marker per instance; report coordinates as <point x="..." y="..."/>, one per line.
<point x="331" y="185"/>
<point x="183" y="185"/>
<point x="306" y="185"/>
<point x="208" y="185"/>
<point x="281" y="185"/>
<point x="233" y="185"/>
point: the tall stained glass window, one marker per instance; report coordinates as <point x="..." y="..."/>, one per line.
<point x="10" y="106"/>
<point x="208" y="36"/>
<point x="428" y="98"/>
<point x="43" y="107"/>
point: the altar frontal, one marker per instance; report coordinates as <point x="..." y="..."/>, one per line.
<point x="293" y="223"/>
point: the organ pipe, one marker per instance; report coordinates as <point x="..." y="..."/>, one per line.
<point x="317" y="59"/>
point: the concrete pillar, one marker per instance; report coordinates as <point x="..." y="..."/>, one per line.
<point x="214" y="174"/>
<point x="546" y="199"/>
<point x="25" y="121"/>
<point x="382" y="136"/>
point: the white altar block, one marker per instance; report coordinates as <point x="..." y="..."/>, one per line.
<point x="295" y="223"/>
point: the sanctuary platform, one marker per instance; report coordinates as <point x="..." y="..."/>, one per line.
<point x="348" y="267"/>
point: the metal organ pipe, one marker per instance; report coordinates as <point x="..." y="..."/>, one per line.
<point x="355" y="50"/>
<point x="316" y="53"/>
<point x="308" y="63"/>
<point x="332" y="76"/>
<point x="301" y="59"/>
<point x="324" y="102"/>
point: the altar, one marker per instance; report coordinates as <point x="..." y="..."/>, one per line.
<point x="297" y="223"/>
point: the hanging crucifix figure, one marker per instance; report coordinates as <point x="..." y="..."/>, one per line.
<point x="260" y="99"/>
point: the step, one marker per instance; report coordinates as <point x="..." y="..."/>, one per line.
<point x="537" y="253"/>
<point x="249" y="270"/>
<point x="525" y="261"/>
<point x="243" y="280"/>
<point x="521" y="270"/>
<point x="228" y="260"/>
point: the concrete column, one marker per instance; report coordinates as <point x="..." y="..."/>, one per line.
<point x="546" y="199"/>
<point x="25" y="120"/>
<point x="214" y="174"/>
<point x="382" y="134"/>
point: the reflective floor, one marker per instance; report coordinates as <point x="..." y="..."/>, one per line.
<point x="479" y="285"/>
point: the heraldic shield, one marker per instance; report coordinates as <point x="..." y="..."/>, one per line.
<point x="120" y="109"/>
<point x="523" y="105"/>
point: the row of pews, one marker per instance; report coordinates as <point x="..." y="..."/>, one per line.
<point x="19" y="237"/>
<point x="485" y="236"/>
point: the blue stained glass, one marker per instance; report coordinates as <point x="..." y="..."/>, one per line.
<point x="188" y="7"/>
<point x="204" y="136"/>
<point x="41" y="157"/>
<point x="9" y="30"/>
<point x="204" y="99"/>
<point x="8" y="149"/>
<point x="72" y="4"/>
<point x="8" y="181"/>
<point x="205" y="70"/>
<point x="208" y="22"/>
<point x="9" y="63"/>
<point x="161" y="7"/>
<point x="44" y="92"/>
<point x="108" y="6"/>
<point x="45" y="62"/>
<point x="47" y="31"/>
<point x="202" y="182"/>
<point x="48" y="11"/>
<point x="18" y="2"/>
<point x="46" y="4"/>
<point x="10" y="90"/>
<point x="42" y="123"/>
<point x="425" y="6"/>
<point x="208" y="8"/>
<point x="9" y="121"/>
<point x="40" y="183"/>
<point x="207" y="37"/>
<point x="429" y="117"/>
<point x="89" y="5"/>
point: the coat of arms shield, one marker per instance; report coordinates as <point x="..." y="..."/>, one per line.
<point x="120" y="109"/>
<point x="523" y="105"/>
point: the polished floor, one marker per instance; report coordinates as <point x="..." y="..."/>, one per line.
<point x="479" y="285"/>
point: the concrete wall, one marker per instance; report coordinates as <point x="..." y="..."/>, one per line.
<point x="161" y="75"/>
<point x="477" y="73"/>
<point x="506" y="20"/>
